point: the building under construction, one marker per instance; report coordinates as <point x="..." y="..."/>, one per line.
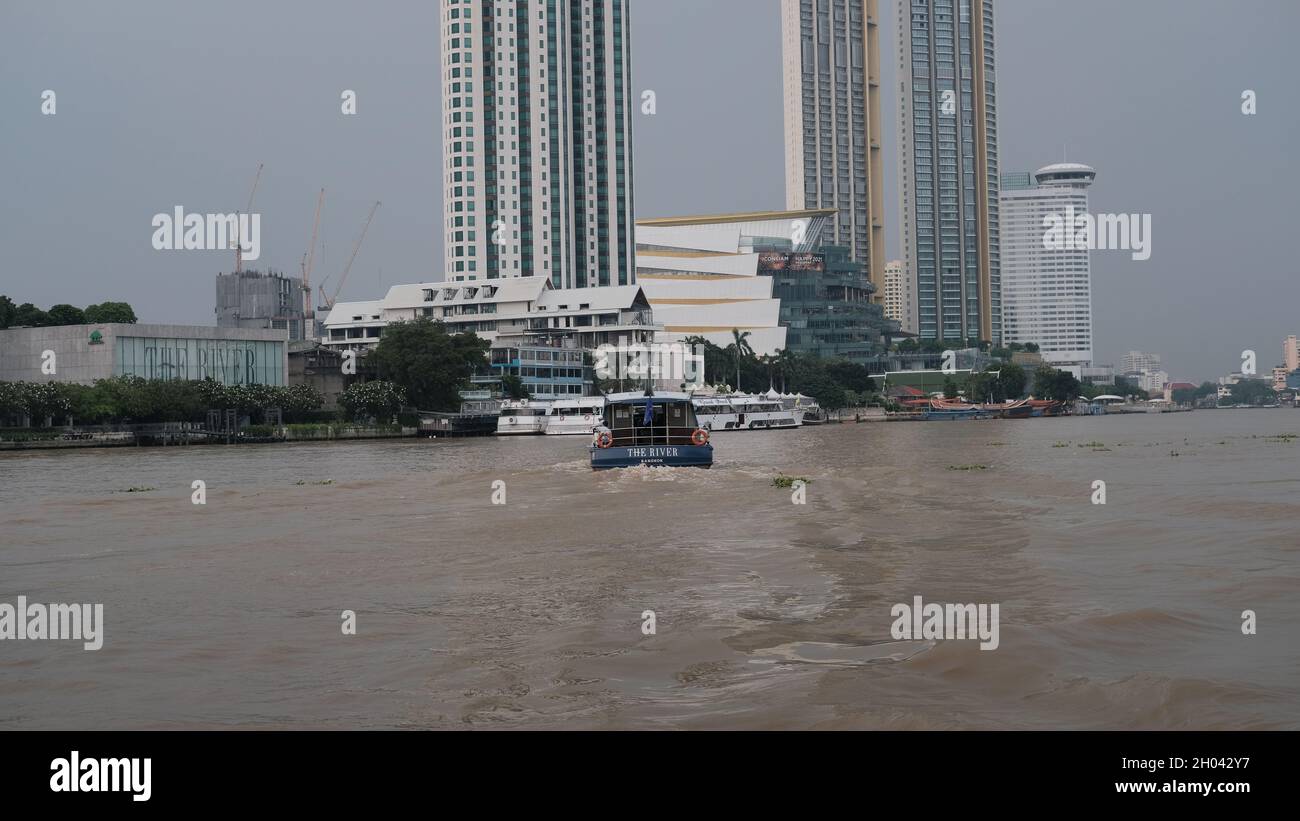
<point x="253" y="299"/>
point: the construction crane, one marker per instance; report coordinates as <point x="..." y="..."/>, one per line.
<point x="309" y="258"/>
<point x="329" y="301"/>
<point x="239" y="250"/>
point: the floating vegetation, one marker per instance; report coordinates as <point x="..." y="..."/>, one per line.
<point x="304" y="482"/>
<point x="137" y="490"/>
<point x="1062" y="445"/>
<point x="1174" y="453"/>
<point x="782" y="480"/>
<point x="1093" y="445"/>
<point x="968" y="467"/>
<point x="1288" y="438"/>
<point x="996" y="444"/>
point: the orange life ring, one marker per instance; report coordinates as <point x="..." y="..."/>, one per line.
<point x="604" y="439"/>
<point x="700" y="437"/>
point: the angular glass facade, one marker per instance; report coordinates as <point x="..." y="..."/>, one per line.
<point x="826" y="302"/>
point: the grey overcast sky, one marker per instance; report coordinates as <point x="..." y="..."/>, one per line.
<point x="162" y="104"/>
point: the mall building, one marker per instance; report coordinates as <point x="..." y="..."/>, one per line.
<point x="86" y="353"/>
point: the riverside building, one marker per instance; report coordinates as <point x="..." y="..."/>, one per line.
<point x="772" y="274"/>
<point x="537" y="141"/>
<point x="86" y="353"/>
<point x="1046" y="292"/>
<point x="948" y="167"/>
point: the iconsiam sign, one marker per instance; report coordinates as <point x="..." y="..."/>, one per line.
<point x="667" y="361"/>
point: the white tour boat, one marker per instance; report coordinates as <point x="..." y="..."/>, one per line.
<point x="521" y="417"/>
<point x="742" y="412"/>
<point x="575" y="415"/>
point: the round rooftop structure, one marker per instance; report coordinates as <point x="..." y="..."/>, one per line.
<point x="1065" y="173"/>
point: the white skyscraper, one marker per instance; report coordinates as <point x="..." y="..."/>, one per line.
<point x="537" y="140"/>
<point x="1046" y="292"/>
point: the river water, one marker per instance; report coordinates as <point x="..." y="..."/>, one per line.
<point x="768" y="614"/>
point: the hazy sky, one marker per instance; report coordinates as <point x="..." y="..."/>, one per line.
<point x="162" y="104"/>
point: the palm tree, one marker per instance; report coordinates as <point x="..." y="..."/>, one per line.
<point x="785" y="362"/>
<point x="769" y="362"/>
<point x="742" y="350"/>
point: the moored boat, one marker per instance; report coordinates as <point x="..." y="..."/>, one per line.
<point x="573" y="416"/>
<point x="658" y="429"/>
<point x="522" y="417"/>
<point x="742" y="412"/>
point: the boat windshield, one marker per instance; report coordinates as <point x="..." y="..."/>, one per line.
<point x="507" y="412"/>
<point x="671" y="422"/>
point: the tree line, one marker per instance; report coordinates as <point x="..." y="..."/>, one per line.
<point x="28" y="315"/>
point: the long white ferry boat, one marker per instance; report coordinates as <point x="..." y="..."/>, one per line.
<point x="742" y="412"/>
<point x="522" y="417"/>
<point x="571" y="416"/>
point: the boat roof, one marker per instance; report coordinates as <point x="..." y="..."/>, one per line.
<point x="574" y="403"/>
<point x="640" y="397"/>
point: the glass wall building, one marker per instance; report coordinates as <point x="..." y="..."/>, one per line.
<point x="831" y="80"/>
<point x="948" y="175"/>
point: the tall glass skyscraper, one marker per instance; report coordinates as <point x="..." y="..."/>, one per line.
<point x="831" y="79"/>
<point x="537" y="107"/>
<point x="948" y="175"/>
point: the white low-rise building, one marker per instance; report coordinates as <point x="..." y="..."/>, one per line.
<point x="516" y="310"/>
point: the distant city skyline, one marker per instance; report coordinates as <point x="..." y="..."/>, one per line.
<point x="129" y="141"/>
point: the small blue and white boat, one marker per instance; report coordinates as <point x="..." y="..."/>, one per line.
<point x="658" y="429"/>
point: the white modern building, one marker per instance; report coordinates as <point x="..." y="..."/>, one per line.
<point x="830" y="59"/>
<point x="523" y="310"/>
<point x="1047" y="292"/>
<point x="701" y="274"/>
<point x="1153" y="381"/>
<point x="537" y="141"/>
<point x="1139" y="361"/>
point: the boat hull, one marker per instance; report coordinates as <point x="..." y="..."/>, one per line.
<point x="687" y="456"/>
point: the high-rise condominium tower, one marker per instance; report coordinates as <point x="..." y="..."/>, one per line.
<point x="537" y="108"/>
<point x="948" y="166"/>
<point x="831" y="75"/>
<point x="1047" y="287"/>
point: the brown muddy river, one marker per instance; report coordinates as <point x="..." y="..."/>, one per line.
<point x="768" y="614"/>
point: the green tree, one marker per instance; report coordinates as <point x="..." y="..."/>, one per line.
<point x="430" y="365"/>
<point x="28" y="315"/>
<point x="379" y="399"/>
<point x="7" y="311"/>
<point x="513" y="387"/>
<point x="740" y="350"/>
<point x="1013" y="379"/>
<point x="1049" y="383"/>
<point x="66" y="315"/>
<point x="949" y="388"/>
<point x="110" y="312"/>
<point x="45" y="401"/>
<point x="1253" y="392"/>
